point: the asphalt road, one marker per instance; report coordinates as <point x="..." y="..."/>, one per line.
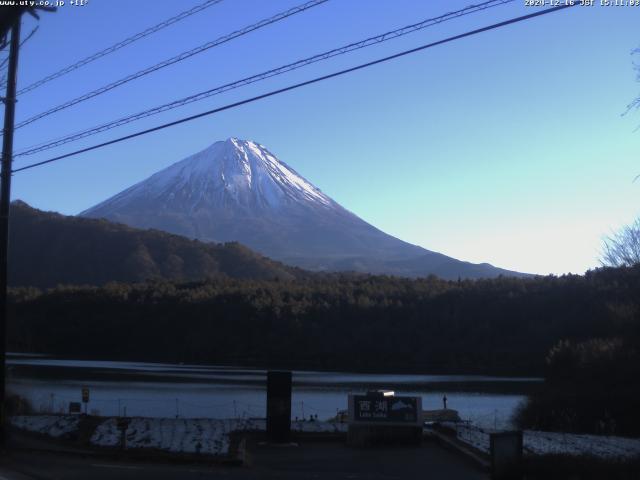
<point x="310" y="460"/>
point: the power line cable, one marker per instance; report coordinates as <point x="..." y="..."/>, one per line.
<point x="299" y="85"/>
<point x="261" y="76"/>
<point x="127" y="41"/>
<point x="3" y="64"/>
<point x="178" y="58"/>
<point x="24" y="40"/>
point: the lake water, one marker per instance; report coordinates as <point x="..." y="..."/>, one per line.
<point x="197" y="391"/>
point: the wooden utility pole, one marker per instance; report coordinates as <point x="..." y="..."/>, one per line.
<point x="5" y="199"/>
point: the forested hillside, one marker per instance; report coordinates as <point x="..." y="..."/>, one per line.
<point x="47" y="249"/>
<point x="503" y="325"/>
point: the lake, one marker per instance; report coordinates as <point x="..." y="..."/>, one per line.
<point x="202" y="391"/>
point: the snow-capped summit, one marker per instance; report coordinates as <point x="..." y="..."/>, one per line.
<point x="237" y="190"/>
<point x="231" y="171"/>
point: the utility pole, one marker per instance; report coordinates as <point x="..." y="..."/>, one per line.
<point x="5" y="199"/>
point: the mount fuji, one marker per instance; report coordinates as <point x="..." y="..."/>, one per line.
<point x="236" y="190"/>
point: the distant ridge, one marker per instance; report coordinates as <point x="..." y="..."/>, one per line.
<point x="237" y="190"/>
<point x="47" y="249"/>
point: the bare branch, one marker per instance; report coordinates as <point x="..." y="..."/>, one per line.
<point x="622" y="248"/>
<point x="635" y="104"/>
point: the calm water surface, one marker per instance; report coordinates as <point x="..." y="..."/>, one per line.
<point x="167" y="390"/>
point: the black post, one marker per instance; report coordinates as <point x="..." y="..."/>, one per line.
<point x="5" y="199"/>
<point x="278" y="406"/>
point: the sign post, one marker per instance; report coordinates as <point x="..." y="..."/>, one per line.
<point x="85" y="398"/>
<point x="123" y="424"/>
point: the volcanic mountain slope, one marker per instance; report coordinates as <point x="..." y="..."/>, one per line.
<point x="237" y="190"/>
<point x="47" y="249"/>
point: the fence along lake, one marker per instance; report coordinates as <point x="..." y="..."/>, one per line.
<point x="200" y="391"/>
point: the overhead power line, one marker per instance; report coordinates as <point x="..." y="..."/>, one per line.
<point x="121" y="44"/>
<point x="299" y="85"/>
<point x="25" y="40"/>
<point x="3" y="64"/>
<point x="261" y="76"/>
<point x="175" y="59"/>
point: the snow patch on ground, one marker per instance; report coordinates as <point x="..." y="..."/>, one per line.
<point x="540" y="443"/>
<point x="545" y="443"/>
<point x="106" y="434"/>
<point x="318" y="427"/>
<point x="178" y="435"/>
<point x="194" y="435"/>
<point x="209" y="437"/>
<point x="52" y="425"/>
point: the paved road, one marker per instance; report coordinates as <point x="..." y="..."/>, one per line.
<point x="311" y="460"/>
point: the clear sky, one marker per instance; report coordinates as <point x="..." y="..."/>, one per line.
<point x="508" y="147"/>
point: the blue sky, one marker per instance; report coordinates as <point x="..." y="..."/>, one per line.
<point x="508" y="147"/>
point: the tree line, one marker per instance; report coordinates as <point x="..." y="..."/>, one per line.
<point x="334" y="321"/>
